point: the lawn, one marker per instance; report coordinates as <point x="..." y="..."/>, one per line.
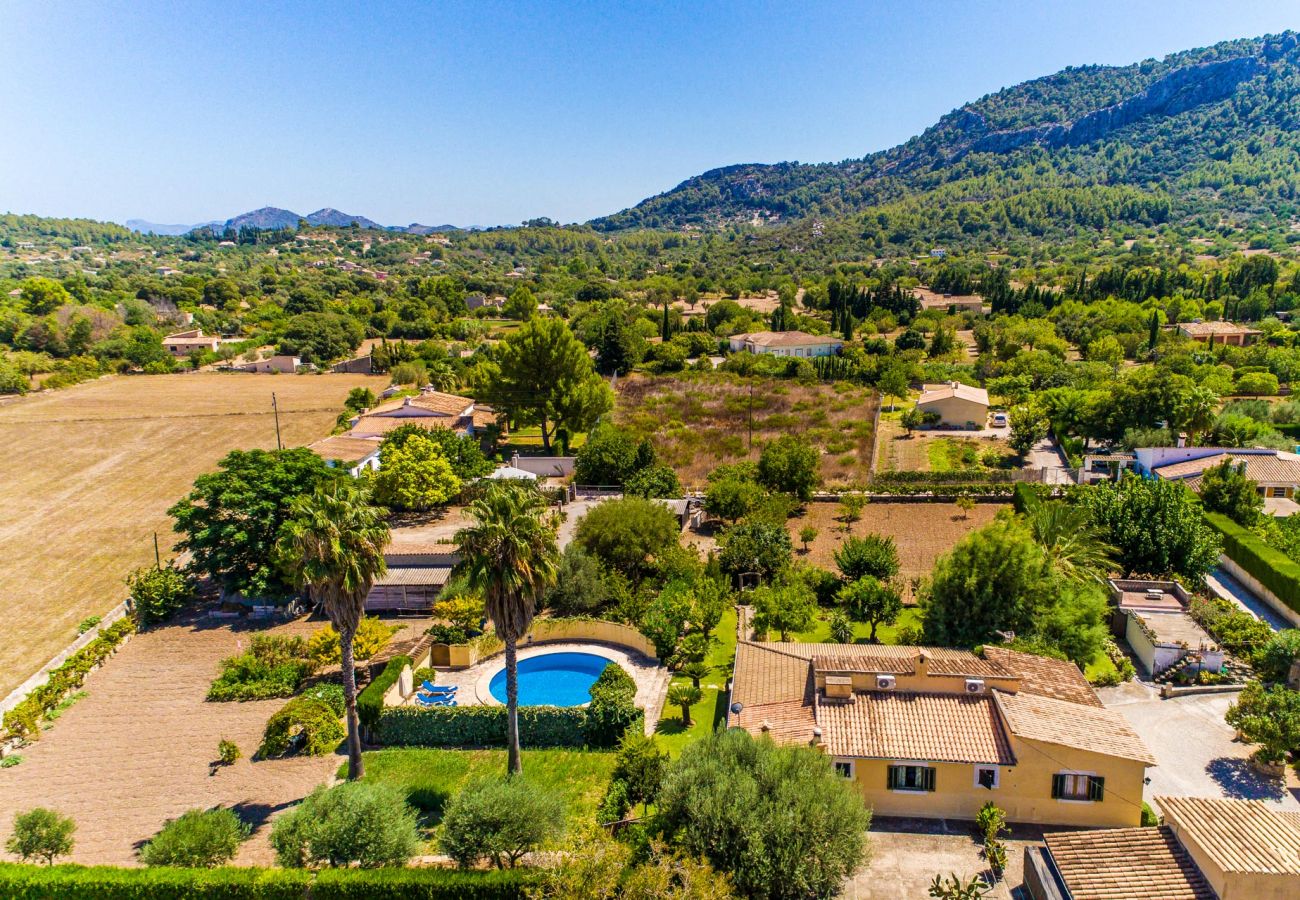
<point x="431" y="778"/>
<point x="820" y="633"/>
<point x="90" y="472"/>
<point x="711" y="709"/>
<point x="1100" y="665"/>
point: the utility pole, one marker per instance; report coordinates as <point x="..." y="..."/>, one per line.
<point x="275" y="407"/>
<point x="157" y="557"/>
<point x="751" y="417"/>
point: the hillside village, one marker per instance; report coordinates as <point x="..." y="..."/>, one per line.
<point x="695" y="553"/>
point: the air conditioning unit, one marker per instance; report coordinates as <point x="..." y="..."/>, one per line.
<point x="885" y="682"/>
<point x="974" y="685"/>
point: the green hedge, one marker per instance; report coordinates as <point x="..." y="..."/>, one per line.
<point x="1025" y="497"/>
<point x="370" y="702"/>
<point x="1272" y="568"/>
<point x="1291" y="430"/>
<point x="480" y="726"/>
<point x="956" y="476"/>
<point x="68" y="882"/>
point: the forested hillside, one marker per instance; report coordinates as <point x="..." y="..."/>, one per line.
<point x="1205" y="136"/>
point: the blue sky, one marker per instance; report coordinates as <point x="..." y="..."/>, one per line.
<point x="490" y="113"/>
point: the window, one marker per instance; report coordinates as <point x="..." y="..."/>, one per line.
<point x="1078" y="787"/>
<point x="1277" y="492"/>
<point x="986" y="777"/>
<point x="844" y="768"/>
<point x="911" y="778"/>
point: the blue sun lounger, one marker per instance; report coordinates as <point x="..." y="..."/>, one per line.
<point x="431" y="688"/>
<point x="422" y="700"/>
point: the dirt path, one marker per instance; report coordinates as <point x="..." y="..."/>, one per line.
<point x="135" y="751"/>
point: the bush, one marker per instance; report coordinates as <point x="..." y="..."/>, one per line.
<point x="372" y="635"/>
<point x="499" y="820"/>
<point x="308" y="723"/>
<point x="1149" y="817"/>
<point x="273" y="666"/>
<point x="1269" y="717"/>
<point x="1273" y="660"/>
<point x="330" y="694"/>
<point x="199" y="839"/>
<point x="480" y="726"/>
<point x="370" y="702"/>
<point x="612" y="710"/>
<point x="41" y="834"/>
<point x="356" y="822"/>
<point x="1235" y="629"/>
<point x="1272" y="568"/>
<point x="87" y="623"/>
<point x="227" y="752"/>
<point x="157" y="594"/>
<point x="447" y="634"/>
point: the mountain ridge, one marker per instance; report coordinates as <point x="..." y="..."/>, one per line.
<point x="274" y="217"/>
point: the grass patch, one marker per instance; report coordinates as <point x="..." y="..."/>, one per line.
<point x="1100" y="665"/>
<point x="820" y="633"/>
<point x="711" y="709"/>
<point x="64" y="704"/>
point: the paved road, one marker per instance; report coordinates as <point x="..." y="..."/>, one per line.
<point x="1232" y="590"/>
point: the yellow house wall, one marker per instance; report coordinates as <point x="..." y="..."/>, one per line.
<point x="1235" y="885"/>
<point x="1024" y="790"/>
<point x="957" y="412"/>
<point x="920" y="681"/>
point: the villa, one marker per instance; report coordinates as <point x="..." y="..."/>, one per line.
<point x="182" y="343"/>
<point x="933" y="732"/>
<point x="786" y="343"/>
<point x="957" y="405"/>
<point x="1226" y="333"/>
<point x="429" y="409"/>
<point x="1275" y="472"/>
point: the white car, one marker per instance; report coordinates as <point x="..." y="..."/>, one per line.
<point x="1000" y="420"/>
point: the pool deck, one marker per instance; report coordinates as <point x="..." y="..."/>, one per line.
<point x="650" y="677"/>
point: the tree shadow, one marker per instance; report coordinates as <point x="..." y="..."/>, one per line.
<point x="1239" y="780"/>
<point x="256" y="815"/>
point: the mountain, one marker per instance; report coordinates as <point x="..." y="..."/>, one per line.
<point x="268" y="217"/>
<point x="417" y="228"/>
<point x="329" y="216"/>
<point x="1211" y="133"/>
<point x="144" y="227"/>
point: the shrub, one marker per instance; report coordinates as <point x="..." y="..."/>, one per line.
<point x="639" y="767"/>
<point x="610" y="714"/>
<point x="307" y="722"/>
<point x="1237" y="630"/>
<point x="871" y="555"/>
<point x="1269" y="717"/>
<point x="330" y="694"/>
<point x="41" y="834"/>
<point x="1272" y="568"/>
<point x="480" y="726"/>
<point x="1273" y="660"/>
<point x="355" y="822"/>
<point x="87" y="623"/>
<point x="199" y="839"/>
<point x="613" y="676"/>
<point x="499" y="820"/>
<point x="1149" y="817"/>
<point x="273" y="666"/>
<point x="370" y="702"/>
<point x="158" y="593"/>
<point x="462" y="611"/>
<point x="447" y="634"/>
<point x="227" y="752"/>
<point x="372" y="635"/>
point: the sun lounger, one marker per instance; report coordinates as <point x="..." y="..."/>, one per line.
<point x="421" y="700"/>
<point x="432" y="688"/>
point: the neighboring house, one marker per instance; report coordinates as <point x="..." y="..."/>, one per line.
<point x="429" y="409"/>
<point x="1220" y="333"/>
<point x="345" y="451"/>
<point x="478" y="301"/>
<point x="545" y="466"/>
<point x="1207" y="849"/>
<point x="415" y="577"/>
<point x="959" y="302"/>
<point x="1105" y="467"/>
<point x="934" y="732"/>
<point x="359" y="366"/>
<point x="957" y="405"/>
<point x="1276" y="472"/>
<point x="183" y="343"/>
<point x="1152" y="618"/>
<point x="510" y="473"/>
<point x="786" y="343"/>
<point x="280" y="363"/>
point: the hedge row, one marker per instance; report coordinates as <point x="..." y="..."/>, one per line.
<point x="1026" y="497"/>
<point x="480" y="726"/>
<point x="956" y="476"/>
<point x="1272" y="568"/>
<point x="69" y="882"/>
<point x="23" y="721"/>
<point x="370" y="702"/>
<point x="1291" y="430"/>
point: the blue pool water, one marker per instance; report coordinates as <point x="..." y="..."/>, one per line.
<point x="553" y="679"/>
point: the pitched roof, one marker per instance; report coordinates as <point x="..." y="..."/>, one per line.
<point x="785" y="338"/>
<point x="1275" y="467"/>
<point x="381" y="425"/>
<point x="1046" y="677"/>
<point x="344" y="448"/>
<point x="1238" y="835"/>
<point x="1051" y="721"/>
<point x="933" y="727"/>
<point x="435" y="402"/>
<point x="1205" y="329"/>
<point x="1126" y="864"/>
<point x="933" y="392"/>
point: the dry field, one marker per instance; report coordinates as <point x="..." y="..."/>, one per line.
<point x="922" y="531"/>
<point x="697" y="423"/>
<point x="91" y="470"/>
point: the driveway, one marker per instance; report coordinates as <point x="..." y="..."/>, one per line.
<point x="1047" y="455"/>
<point x="1196" y="755"/>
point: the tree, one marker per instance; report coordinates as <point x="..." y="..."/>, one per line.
<point x="198" y="839"/>
<point x="654" y="482"/>
<point x="869" y="556"/>
<point x="1273" y="661"/>
<point x="461" y="450"/>
<point x="231" y="520"/>
<point x="521" y="305"/>
<point x="321" y="337"/>
<point x="789" y="465"/>
<point x="1195" y="409"/>
<point x="784" y="608"/>
<point x="684" y="696"/>
<point x="894" y="381"/>
<point x="733" y="498"/>
<point x="851" y="506"/>
<point x="628" y="535"/>
<point x="777" y="818"/>
<point x="1268" y="716"/>
<point x="807" y="535"/>
<point x="1155" y="526"/>
<point x="499" y="820"/>
<point x="509" y="556"/>
<point x="965" y="502"/>
<point x="580" y="588"/>
<point x="871" y="601"/>
<point x="356" y="822"/>
<point x="1075" y="548"/>
<point x="640" y="765"/>
<point x="42" y="296"/>
<point x="157" y="593"/>
<point x="1028" y="427"/>
<point x="414" y="475"/>
<point x="762" y="548"/>
<point x="611" y="456"/>
<point x="1226" y="489"/>
<point x="333" y="545"/>
<point x="41" y="834"/>
<point x="543" y="376"/>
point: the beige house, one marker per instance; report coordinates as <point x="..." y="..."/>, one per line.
<point x="281" y="363"/>
<point x="183" y="343"/>
<point x="786" y="343"/>
<point x="1207" y="849"/>
<point x="429" y="409"/>
<point x="957" y="405"/>
<point x="1275" y="472"/>
<point x="1228" y="333"/>
<point x="933" y="732"/>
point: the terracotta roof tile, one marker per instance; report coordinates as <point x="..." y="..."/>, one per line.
<point x="1205" y="329"/>
<point x="932" y="392"/>
<point x="1239" y="835"/>
<point x="1046" y="677"/>
<point x="931" y="727"/>
<point x="765" y="674"/>
<point x="1277" y="467"/>
<point x="344" y="448"/>
<point x="1092" y="728"/>
<point x="430" y="401"/>
<point x="786" y="338"/>
<point x="381" y="425"/>
<point x="1126" y="864"/>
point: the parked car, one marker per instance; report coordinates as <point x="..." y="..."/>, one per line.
<point x="1000" y="420"/>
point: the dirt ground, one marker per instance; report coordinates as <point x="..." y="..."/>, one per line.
<point x="922" y="531"/>
<point x="898" y="451"/>
<point x="135" y="751"/>
<point x="696" y="423"/>
<point x="89" y="472"/>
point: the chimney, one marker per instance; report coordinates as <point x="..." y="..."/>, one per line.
<point x="923" y="664"/>
<point x="817" y="736"/>
<point x="839" y="687"/>
<point x="1182" y="439"/>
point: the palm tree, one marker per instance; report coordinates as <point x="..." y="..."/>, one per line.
<point x="1075" y="547"/>
<point x="509" y="556"/>
<point x="333" y="545"/>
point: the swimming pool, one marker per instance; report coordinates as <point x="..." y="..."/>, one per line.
<point x="553" y="679"/>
